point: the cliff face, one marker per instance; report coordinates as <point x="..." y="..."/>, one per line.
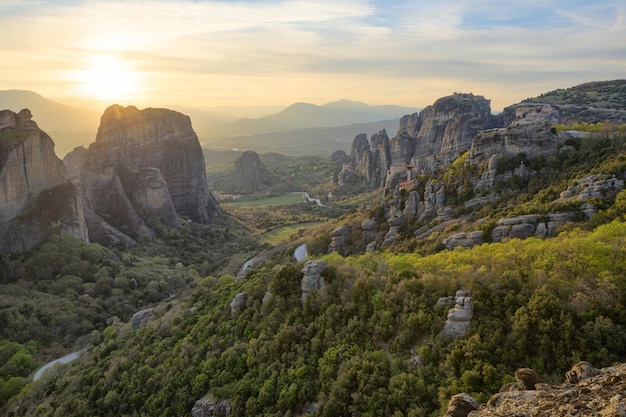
<point x="435" y="137"/>
<point x="447" y="128"/>
<point x="532" y="137"/>
<point x="372" y="159"/>
<point x="145" y="165"/>
<point x="35" y="196"/>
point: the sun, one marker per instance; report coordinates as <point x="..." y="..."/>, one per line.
<point x="107" y="78"/>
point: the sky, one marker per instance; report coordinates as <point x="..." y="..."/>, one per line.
<point x="205" y="53"/>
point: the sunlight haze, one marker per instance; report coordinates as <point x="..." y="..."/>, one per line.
<point x="272" y="52"/>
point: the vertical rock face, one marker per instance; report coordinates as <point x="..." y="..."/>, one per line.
<point x="372" y="159"/>
<point x="145" y="165"/>
<point x="35" y="195"/>
<point x="533" y="137"/>
<point x="447" y="128"/>
<point x="162" y="139"/>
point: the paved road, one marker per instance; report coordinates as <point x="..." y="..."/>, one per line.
<point x="65" y="359"/>
<point x="301" y="253"/>
<point x="312" y="200"/>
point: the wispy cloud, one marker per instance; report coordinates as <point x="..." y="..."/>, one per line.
<point x="280" y="50"/>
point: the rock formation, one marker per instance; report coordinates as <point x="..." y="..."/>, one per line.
<point x="247" y="176"/>
<point x="371" y="159"/>
<point x="238" y="302"/>
<point x="312" y="279"/>
<point x="586" y="392"/>
<point x="520" y="227"/>
<point x="146" y="165"/>
<point x="447" y="129"/>
<point x="533" y="137"/>
<point x="206" y="407"/>
<point x="339" y="239"/>
<point x="435" y="137"/>
<point x="141" y="318"/>
<point x="460" y="316"/>
<point x="36" y="198"/>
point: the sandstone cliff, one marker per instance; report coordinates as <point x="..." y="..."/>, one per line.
<point x="36" y="198"/>
<point x="372" y="159"/>
<point x="433" y="138"/>
<point x="447" y="129"/>
<point x="145" y="165"/>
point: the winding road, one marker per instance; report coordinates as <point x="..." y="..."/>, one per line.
<point x="65" y="359"/>
<point x="301" y="253"/>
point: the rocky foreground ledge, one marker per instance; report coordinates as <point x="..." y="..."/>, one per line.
<point x="587" y="391"/>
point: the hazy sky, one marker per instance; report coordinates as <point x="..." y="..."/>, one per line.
<point x="211" y="53"/>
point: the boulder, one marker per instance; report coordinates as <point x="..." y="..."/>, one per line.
<point x="461" y="405"/>
<point x="581" y="371"/>
<point x="238" y="302"/>
<point x="527" y="379"/>
<point x="141" y="318"/>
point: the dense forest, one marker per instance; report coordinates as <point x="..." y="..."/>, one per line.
<point x="369" y="343"/>
<point x="347" y="350"/>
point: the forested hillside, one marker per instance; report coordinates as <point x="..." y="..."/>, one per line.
<point x="368" y="343"/>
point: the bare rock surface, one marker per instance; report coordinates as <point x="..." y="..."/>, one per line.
<point x="460" y="316"/>
<point x="36" y="198"/>
<point x="586" y="392"/>
<point x="312" y="279"/>
<point x="144" y="165"/>
<point x="205" y="407"/>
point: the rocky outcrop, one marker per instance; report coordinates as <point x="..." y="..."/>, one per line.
<point x="587" y="391"/>
<point x="249" y="175"/>
<point x="460" y="405"/>
<point x="371" y="159"/>
<point x="141" y="318"/>
<point x="36" y="198"/>
<point x="434" y="200"/>
<point x="339" y="239"/>
<point x="533" y="137"/>
<point x="145" y="165"/>
<point x="520" y="227"/>
<point x="531" y="112"/>
<point x="238" y="302"/>
<point x="312" y="280"/>
<point x="206" y="407"/>
<point x="369" y="229"/>
<point x="447" y="129"/>
<point x="460" y="316"/>
<point x="593" y="186"/>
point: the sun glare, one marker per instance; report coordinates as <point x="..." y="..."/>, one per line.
<point x="107" y="78"/>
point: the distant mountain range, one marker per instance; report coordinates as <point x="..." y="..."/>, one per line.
<point x="308" y="141"/>
<point x="298" y="129"/>
<point x="306" y="115"/>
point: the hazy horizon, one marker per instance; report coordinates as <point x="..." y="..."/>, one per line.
<point x="205" y="54"/>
